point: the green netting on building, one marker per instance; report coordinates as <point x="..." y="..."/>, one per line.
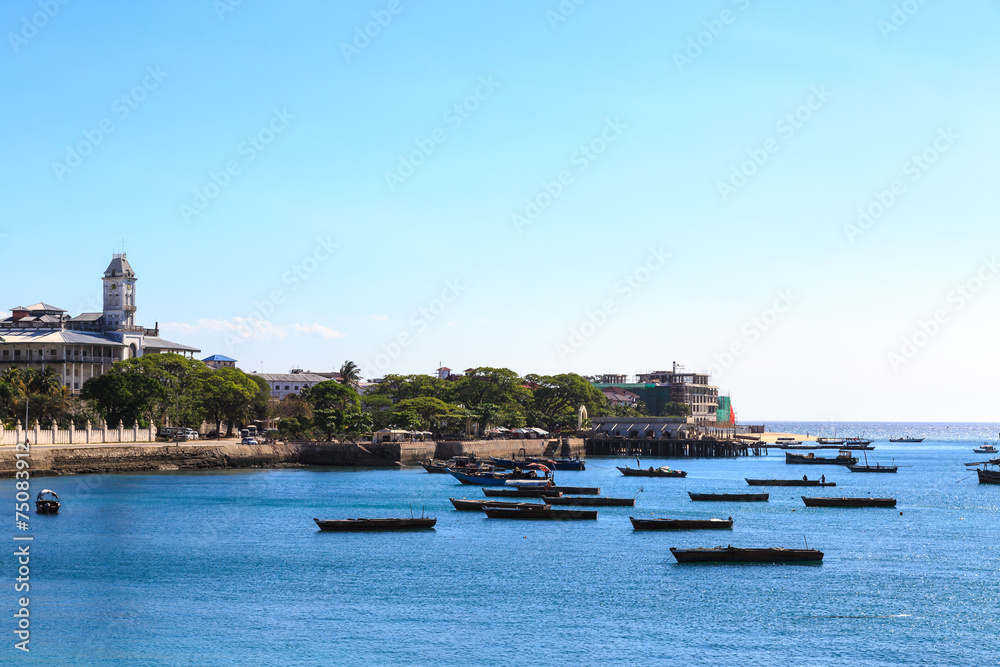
<point x="722" y="414"/>
<point x="654" y="396"/>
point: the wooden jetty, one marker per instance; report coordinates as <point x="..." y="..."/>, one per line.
<point x="662" y="448"/>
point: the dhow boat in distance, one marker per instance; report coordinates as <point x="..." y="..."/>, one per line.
<point x="733" y="554"/>
<point x="680" y="524"/>
<point x="662" y="471"/>
<point x="906" y="439"/>
<point x="372" y="525"/>
<point x="741" y="497"/>
<point x="789" y="482"/>
<point x="849" y="502"/>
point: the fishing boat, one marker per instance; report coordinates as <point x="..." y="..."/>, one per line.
<point x="783" y="443"/>
<point x="680" y="524"/>
<point x="47" y="502"/>
<point x="985" y="449"/>
<point x="849" y="502"/>
<point x="854" y="447"/>
<point x="464" y="505"/>
<point x="906" y="439"/>
<point x="987" y="476"/>
<point x="742" y="497"/>
<point x="371" y="525"/>
<point x="843" y="458"/>
<point x="662" y="471"/>
<point x="554" y="464"/>
<point x="490" y="478"/>
<point x="592" y="502"/>
<point x="871" y="468"/>
<point x="830" y="441"/>
<point x="790" y="482"/>
<point x="523" y="513"/>
<point x="733" y="554"/>
<point x="853" y="442"/>
<point x="514" y="492"/>
<point x="460" y="463"/>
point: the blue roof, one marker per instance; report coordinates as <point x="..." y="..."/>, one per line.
<point x="218" y="357"/>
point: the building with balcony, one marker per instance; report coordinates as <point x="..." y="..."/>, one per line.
<point x="81" y="347"/>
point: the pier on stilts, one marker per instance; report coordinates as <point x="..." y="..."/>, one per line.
<point x="638" y="447"/>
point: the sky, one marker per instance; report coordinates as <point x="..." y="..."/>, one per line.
<point x="799" y="198"/>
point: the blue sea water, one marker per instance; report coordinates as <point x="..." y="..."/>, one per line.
<point x="227" y="568"/>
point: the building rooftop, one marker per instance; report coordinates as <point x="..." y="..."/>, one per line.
<point x="218" y="357"/>
<point x="153" y="343"/>
<point x="119" y="266"/>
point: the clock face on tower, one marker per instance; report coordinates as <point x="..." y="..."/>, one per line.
<point x="114" y="286"/>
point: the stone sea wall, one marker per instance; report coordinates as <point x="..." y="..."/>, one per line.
<point x="187" y="456"/>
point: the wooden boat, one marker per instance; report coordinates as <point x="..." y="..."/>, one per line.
<point x="830" y="441"/>
<point x="370" y="525"/>
<point x="680" y="524"/>
<point x="651" y="472"/>
<point x="45" y="504"/>
<point x="851" y="442"/>
<point x="476" y="505"/>
<point x="789" y="482"/>
<point x="578" y="490"/>
<point x="987" y="476"/>
<point x="552" y="464"/>
<point x="592" y="502"/>
<point x="843" y="458"/>
<point x="753" y="497"/>
<point x="733" y="554"/>
<point x="906" y="439"/>
<point x="514" y="492"/>
<point x="489" y="478"/>
<point x="539" y="514"/>
<point x="461" y="463"/>
<point x="782" y="443"/>
<point x="985" y="449"/>
<point x="872" y="468"/>
<point x="849" y="502"/>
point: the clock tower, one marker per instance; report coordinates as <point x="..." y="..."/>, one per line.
<point x="119" y="294"/>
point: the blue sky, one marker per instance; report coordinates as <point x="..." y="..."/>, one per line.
<point x="248" y="169"/>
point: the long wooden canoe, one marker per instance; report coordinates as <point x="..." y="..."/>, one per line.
<point x="849" y="502"/>
<point x="365" y="525"/>
<point x="733" y="554"/>
<point x="680" y="524"/>
<point x="539" y="514"/>
<point x="477" y="505"/>
<point x="787" y="482"/>
<point x="748" y="497"/>
<point x="592" y="501"/>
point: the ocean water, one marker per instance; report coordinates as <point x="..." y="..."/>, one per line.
<point x="227" y="568"/>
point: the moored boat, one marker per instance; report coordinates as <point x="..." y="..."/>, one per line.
<point x="986" y="449"/>
<point x="554" y="464"/>
<point x="465" y="505"/>
<point x="849" y="502"/>
<point x="733" y="554"/>
<point x="539" y="514"/>
<point x="857" y="441"/>
<point x="789" y="482"/>
<point x="514" y="492"/>
<point x="830" y="441"/>
<point x="45" y="504"/>
<point x="906" y="439"/>
<point x="490" y="478"/>
<point x="662" y="471"/>
<point x="752" y="497"/>
<point x="843" y="458"/>
<point x="680" y="524"/>
<point x="592" y="501"/>
<point x="367" y="525"/>
<point x="872" y="468"/>
<point x="987" y="476"/>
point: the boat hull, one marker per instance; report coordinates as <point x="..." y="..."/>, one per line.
<point x="560" y="464"/>
<point x="46" y="507"/>
<point x="465" y="505"/>
<point x="806" y="459"/>
<point x="981" y="450"/>
<point x="680" y="524"/>
<point x="849" y="502"/>
<point x="488" y="479"/>
<point x="906" y="439"/>
<point x="494" y="492"/>
<point x="737" y="555"/>
<point x="788" y="482"/>
<point x="875" y="468"/>
<point x="738" y="497"/>
<point x="592" y="502"/>
<point x="532" y="514"/>
<point x="988" y="476"/>
<point x="634" y="472"/>
<point x="373" y="525"/>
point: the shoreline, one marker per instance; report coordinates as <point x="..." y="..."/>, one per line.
<point x="55" y="460"/>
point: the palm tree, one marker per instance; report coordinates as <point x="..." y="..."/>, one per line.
<point x="350" y="374"/>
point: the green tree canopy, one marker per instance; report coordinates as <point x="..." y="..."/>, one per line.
<point x="122" y="395"/>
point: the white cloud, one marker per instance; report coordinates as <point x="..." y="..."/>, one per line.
<point x="379" y="317"/>
<point x="317" y="328"/>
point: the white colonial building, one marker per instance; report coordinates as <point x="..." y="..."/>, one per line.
<point x="86" y="345"/>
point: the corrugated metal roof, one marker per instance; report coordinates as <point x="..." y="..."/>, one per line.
<point x="48" y="336"/>
<point x="45" y="306"/>
<point x="292" y="377"/>
<point x="87" y="317"/>
<point x="149" y="342"/>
